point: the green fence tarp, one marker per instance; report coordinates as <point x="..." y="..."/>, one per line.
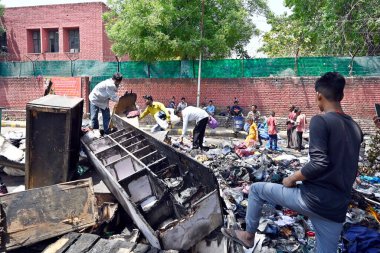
<point x="230" y="68"/>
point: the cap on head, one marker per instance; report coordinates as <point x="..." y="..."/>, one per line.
<point x="148" y="97"/>
<point x="117" y="77"/>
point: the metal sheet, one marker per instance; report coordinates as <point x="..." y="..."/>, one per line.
<point x="191" y="204"/>
<point x="38" y="214"/>
<point x="123" y="198"/>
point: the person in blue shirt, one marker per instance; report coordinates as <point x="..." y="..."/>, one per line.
<point x="236" y="110"/>
<point x="210" y="109"/>
<point x="172" y="103"/>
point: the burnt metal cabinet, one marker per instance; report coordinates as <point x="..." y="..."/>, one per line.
<point x="53" y="125"/>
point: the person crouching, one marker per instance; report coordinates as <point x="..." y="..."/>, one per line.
<point x="200" y="117"/>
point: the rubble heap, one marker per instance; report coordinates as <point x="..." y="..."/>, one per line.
<point x="281" y="229"/>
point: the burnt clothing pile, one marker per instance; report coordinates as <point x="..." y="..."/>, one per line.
<point x="282" y="230"/>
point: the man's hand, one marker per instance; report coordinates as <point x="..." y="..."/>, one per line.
<point x="289" y="182"/>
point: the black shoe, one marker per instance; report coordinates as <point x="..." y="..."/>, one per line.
<point x="205" y="149"/>
<point x="195" y="147"/>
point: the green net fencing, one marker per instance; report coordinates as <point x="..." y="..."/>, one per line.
<point x="229" y="68"/>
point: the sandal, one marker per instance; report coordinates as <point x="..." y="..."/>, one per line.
<point x="231" y="234"/>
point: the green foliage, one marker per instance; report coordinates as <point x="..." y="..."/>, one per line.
<point x="1" y="14"/>
<point x="325" y="28"/>
<point x="150" y="30"/>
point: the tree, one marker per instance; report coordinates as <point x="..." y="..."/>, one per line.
<point x="1" y="15"/>
<point x="325" y="27"/>
<point x="152" y="30"/>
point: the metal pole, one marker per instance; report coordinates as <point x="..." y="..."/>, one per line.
<point x="200" y="58"/>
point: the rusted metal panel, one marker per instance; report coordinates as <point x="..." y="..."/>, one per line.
<point x="172" y="199"/>
<point x="42" y="213"/>
<point x="52" y="139"/>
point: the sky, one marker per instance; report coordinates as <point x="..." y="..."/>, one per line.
<point x="276" y="6"/>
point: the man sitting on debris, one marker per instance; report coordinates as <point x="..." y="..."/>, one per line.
<point x="200" y="117"/>
<point x="158" y="111"/>
<point x="327" y="179"/>
<point x="99" y="100"/>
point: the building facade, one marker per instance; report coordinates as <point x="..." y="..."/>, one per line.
<point x="56" y="33"/>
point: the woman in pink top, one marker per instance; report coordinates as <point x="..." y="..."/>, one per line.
<point x="272" y="131"/>
<point x="290" y="125"/>
<point x="300" y="127"/>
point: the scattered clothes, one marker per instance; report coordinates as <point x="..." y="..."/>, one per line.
<point x="282" y="230"/>
<point x="361" y="239"/>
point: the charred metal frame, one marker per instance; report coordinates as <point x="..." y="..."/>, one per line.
<point x="173" y="199"/>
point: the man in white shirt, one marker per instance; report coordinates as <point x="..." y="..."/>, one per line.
<point x="99" y="98"/>
<point x="200" y="117"/>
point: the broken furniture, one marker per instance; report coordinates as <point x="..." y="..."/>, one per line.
<point x="10" y="155"/>
<point x="125" y="106"/>
<point x="172" y="199"/>
<point x="42" y="213"/>
<point x="53" y="125"/>
<point x="75" y="243"/>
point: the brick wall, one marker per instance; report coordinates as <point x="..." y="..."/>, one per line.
<point x="15" y="93"/>
<point x="268" y="93"/>
<point x="94" y="43"/>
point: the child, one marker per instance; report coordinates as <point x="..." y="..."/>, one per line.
<point x="252" y="137"/>
<point x="300" y="127"/>
<point x="290" y="124"/>
<point x="272" y="131"/>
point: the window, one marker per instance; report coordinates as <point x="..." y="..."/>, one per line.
<point x="74" y="40"/>
<point x="53" y="41"/>
<point x="36" y="42"/>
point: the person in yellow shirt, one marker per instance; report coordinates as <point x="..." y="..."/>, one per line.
<point x="253" y="135"/>
<point x="158" y="111"/>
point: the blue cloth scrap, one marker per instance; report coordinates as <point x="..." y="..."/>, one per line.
<point x="361" y="239"/>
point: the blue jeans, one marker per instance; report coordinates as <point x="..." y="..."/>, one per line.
<point x="273" y="141"/>
<point x="327" y="231"/>
<point x="94" y="111"/>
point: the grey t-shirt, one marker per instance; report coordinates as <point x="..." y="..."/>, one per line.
<point x="334" y="146"/>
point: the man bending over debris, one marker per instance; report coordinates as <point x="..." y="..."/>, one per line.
<point x="327" y="179"/>
<point x="158" y="111"/>
<point x="99" y="98"/>
<point x="200" y="117"/>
